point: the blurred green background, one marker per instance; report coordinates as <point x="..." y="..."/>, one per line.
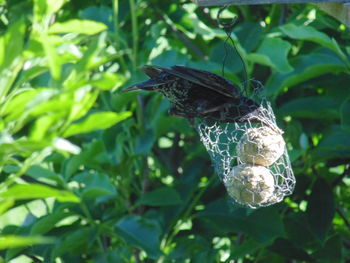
<point x="90" y="174"/>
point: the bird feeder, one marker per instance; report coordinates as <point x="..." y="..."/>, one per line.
<point x="339" y="9"/>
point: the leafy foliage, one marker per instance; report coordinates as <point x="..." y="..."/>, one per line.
<point x="90" y="174"/>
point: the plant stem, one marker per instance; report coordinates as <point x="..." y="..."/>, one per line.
<point x="91" y="221"/>
<point x="117" y="35"/>
<point x="186" y="214"/>
<point x="135" y="36"/>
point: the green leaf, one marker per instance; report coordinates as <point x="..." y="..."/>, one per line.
<point x="42" y="126"/>
<point x="108" y="81"/>
<point x="298" y="230"/>
<point x="201" y="28"/>
<point x="36" y="191"/>
<point x="83" y="101"/>
<point x="312" y="107"/>
<point x="144" y="142"/>
<point x="163" y="196"/>
<point x="46" y="7"/>
<point x="5" y="205"/>
<point x="75" y="241"/>
<point x="11" y="44"/>
<point x="21" y="147"/>
<point x="273" y="52"/>
<point x="286" y="249"/>
<point x="334" y="145"/>
<point x="310" y="33"/>
<point x="91" y="58"/>
<point x="265" y="224"/>
<point x="247" y="247"/>
<point x="249" y="35"/>
<point x="11" y="59"/>
<point x="97" y="121"/>
<point x="331" y="251"/>
<point x="95" y="185"/>
<point x="15" y="106"/>
<point x="142" y="233"/>
<point x="39" y="172"/>
<point x="64" y="145"/>
<point x="87" y="27"/>
<point x="48" y="222"/>
<point x="305" y="67"/>
<point x="345" y="114"/>
<point x="321" y="209"/>
<point x="50" y="44"/>
<point x="10" y="241"/>
<point x="49" y="102"/>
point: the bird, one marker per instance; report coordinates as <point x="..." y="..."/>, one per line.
<point x="195" y="93"/>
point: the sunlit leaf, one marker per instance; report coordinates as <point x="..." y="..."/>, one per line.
<point x="42" y="126"/>
<point x="50" y="44"/>
<point x="87" y="27"/>
<point x="96" y="121"/>
<point x="91" y="59"/>
<point x="65" y="145"/>
<point x="310" y="33"/>
<point x="46" y="7"/>
<point x="9" y="241"/>
<point x="273" y="52"/>
<point x="11" y="59"/>
<point x="46" y="223"/>
<point x="6" y="204"/>
<point x="36" y="191"/>
<point x="14" y="107"/>
<point x="39" y="172"/>
<point x="108" y="81"/>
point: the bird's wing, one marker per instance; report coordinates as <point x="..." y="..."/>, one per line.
<point x="152" y="71"/>
<point x="155" y="80"/>
<point x="206" y="79"/>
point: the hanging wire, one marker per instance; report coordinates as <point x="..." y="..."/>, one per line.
<point x="228" y="28"/>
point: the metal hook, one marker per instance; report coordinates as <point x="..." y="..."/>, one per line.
<point x="228" y="28"/>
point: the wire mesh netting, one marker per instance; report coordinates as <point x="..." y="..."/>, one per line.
<point x="250" y="156"/>
<point x="238" y="130"/>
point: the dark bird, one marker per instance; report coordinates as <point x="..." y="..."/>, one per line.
<point x="195" y="93"/>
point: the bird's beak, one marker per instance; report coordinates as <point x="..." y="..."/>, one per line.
<point x="133" y="88"/>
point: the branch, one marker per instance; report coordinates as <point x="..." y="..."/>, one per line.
<point x="182" y="37"/>
<point x="340" y="178"/>
<point x="257" y="2"/>
<point x="339" y="11"/>
<point x="343" y="216"/>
